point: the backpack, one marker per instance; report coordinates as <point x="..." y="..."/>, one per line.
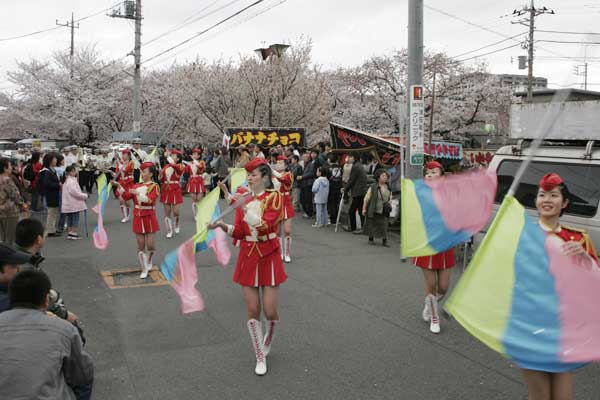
<point x="28" y="173"/>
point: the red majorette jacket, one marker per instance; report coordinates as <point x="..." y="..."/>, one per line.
<point x="256" y="228"/>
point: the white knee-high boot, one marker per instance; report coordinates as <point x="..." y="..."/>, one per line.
<point x="169" y="226"/>
<point x="288" y="249"/>
<point x="144" y="264"/>
<point x="269" y="333"/>
<point x="255" y="330"/>
<point x="434" y="325"/>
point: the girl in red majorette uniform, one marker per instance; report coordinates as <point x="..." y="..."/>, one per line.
<point x="124" y="177"/>
<point x="195" y="185"/>
<point x="145" y="224"/>
<point x="283" y="181"/>
<point x="436" y="268"/>
<point x="259" y="265"/>
<point x="171" y="195"/>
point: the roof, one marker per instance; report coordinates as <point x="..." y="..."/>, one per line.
<point x="551" y="92"/>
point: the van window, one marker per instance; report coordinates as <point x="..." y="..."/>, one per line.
<point x="582" y="180"/>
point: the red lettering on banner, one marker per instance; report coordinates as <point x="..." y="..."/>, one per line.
<point x="348" y="138"/>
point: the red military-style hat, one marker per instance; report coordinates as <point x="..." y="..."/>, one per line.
<point x="550" y="181"/>
<point x="434" y="164"/>
<point x="196" y="150"/>
<point x="255" y="163"/>
<point x="126" y="151"/>
<point x="282" y="158"/>
<point x="175" y="151"/>
<point x="145" y="165"/>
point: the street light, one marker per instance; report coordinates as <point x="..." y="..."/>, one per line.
<point x="265" y="54"/>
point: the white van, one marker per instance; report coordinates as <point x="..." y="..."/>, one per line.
<point x="578" y="162"/>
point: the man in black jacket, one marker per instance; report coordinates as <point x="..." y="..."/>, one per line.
<point x="335" y="186"/>
<point x="357" y="189"/>
<point x="306" y="181"/>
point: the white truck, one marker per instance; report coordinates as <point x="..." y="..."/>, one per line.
<point x="571" y="148"/>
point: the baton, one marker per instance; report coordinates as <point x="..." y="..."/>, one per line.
<point x="337" y="221"/>
<point x="85" y="223"/>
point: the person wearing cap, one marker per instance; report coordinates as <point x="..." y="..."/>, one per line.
<point x="283" y="181"/>
<point x="259" y="266"/>
<point x="145" y="223"/>
<point x="42" y="356"/>
<point x="138" y="156"/>
<point x="171" y="195"/>
<point x="195" y="185"/>
<point x="124" y="177"/>
<point x="553" y="198"/>
<point x="10" y="265"/>
<point x="436" y="268"/>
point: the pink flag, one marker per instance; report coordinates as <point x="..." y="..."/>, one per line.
<point x="220" y="247"/>
<point x="99" y="235"/>
<point x="179" y="267"/>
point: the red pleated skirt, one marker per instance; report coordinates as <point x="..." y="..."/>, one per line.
<point x="444" y="260"/>
<point x="256" y="271"/>
<point x="126" y="184"/>
<point x="145" y="224"/>
<point x="288" y="207"/>
<point x="170" y="193"/>
<point x="195" y="185"/>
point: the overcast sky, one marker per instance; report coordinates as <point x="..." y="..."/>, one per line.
<point x="344" y="32"/>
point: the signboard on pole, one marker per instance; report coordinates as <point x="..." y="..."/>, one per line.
<point x="417" y="126"/>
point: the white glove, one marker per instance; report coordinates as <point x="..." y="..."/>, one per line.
<point x="142" y="194"/>
<point x="253" y="214"/>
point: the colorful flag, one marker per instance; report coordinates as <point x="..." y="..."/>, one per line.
<point x="442" y="213"/>
<point x="524" y="298"/>
<point x="179" y="266"/>
<point x="238" y="178"/>
<point x="99" y="236"/>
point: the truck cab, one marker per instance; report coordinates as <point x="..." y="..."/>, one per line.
<point x="578" y="162"/>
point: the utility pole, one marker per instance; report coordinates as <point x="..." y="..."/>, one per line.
<point x="432" y="105"/>
<point x="133" y="10"/>
<point x="584" y="73"/>
<point x="414" y="169"/>
<point x="72" y="26"/>
<point x="532" y="12"/>
<point x="266" y="54"/>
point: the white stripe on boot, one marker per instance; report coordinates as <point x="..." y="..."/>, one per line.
<point x="269" y="332"/>
<point x="255" y="330"/>
<point x="169" y="225"/>
<point x="282" y="247"/>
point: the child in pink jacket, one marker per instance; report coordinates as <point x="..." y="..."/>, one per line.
<point x="73" y="201"/>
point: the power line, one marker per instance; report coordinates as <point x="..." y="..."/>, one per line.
<point x="184" y="23"/>
<point x="250" y="17"/>
<point x="571" y="42"/>
<point x="488" y="53"/>
<point x="481" y="26"/>
<point x="204" y="31"/>
<point x="489" y="45"/>
<point x="568" y="32"/>
<point x="56" y="27"/>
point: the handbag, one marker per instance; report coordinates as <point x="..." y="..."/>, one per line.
<point x="387" y="206"/>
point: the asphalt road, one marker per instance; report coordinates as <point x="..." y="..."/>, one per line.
<point x="350" y="327"/>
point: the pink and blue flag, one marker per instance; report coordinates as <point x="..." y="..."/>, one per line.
<point x="524" y="298"/>
<point x="442" y="213"/>
<point x="179" y="266"/>
<point x="99" y="235"/>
